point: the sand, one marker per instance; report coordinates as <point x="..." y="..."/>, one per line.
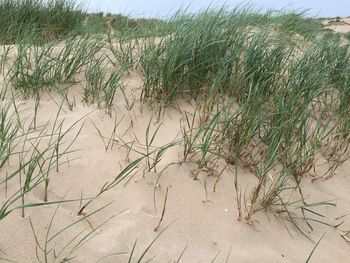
<point x="199" y="219"/>
<point x="341" y="27"/>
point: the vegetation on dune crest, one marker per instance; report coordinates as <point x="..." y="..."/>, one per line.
<point x="41" y="21"/>
<point x="45" y="19"/>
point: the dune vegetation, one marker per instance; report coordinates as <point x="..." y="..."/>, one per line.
<point x="267" y="93"/>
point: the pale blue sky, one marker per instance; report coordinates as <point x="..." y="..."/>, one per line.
<point x="162" y="8"/>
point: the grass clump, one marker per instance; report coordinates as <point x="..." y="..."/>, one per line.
<point x="96" y="24"/>
<point x="39" y="68"/>
<point x="270" y="96"/>
<point x="51" y="19"/>
<point x="347" y="36"/>
<point x="138" y="27"/>
<point x="100" y="86"/>
<point x="297" y="23"/>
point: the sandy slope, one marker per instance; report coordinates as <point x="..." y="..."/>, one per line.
<point x="203" y="221"/>
<point x="342" y="27"/>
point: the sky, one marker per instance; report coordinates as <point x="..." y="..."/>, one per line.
<point x="163" y="8"/>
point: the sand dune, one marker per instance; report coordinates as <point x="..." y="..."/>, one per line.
<point x="203" y="221"/>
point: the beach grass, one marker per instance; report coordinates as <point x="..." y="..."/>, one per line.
<point x="46" y="20"/>
<point x="265" y="92"/>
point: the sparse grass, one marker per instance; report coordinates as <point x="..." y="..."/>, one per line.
<point x="9" y="132"/>
<point x="37" y="158"/>
<point x="313" y="250"/>
<point x="100" y="86"/>
<point x="50" y="251"/>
